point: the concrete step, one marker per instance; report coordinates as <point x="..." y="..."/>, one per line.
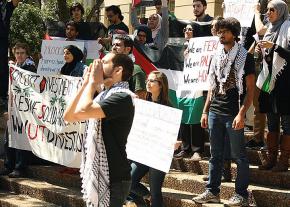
<point x="62" y="196"/>
<point x="192" y="183"/>
<point x="10" y="199"/>
<point x="262" y="177"/>
<point x="175" y="198"/>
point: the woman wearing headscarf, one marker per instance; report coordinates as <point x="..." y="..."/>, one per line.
<point x="73" y="65"/>
<point x="158" y="25"/>
<point x="275" y="85"/>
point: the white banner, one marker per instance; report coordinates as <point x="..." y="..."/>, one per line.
<point x="52" y="56"/>
<point x="196" y="63"/>
<point x="242" y="10"/>
<point x="153" y="134"/>
<point x="36" y="107"/>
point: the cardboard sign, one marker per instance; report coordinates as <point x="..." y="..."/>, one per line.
<point x="153" y="134"/>
<point x="242" y="10"/>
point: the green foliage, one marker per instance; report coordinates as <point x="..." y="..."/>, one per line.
<point x="27" y="26"/>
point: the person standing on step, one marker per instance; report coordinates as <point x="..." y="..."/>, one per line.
<point x="275" y="85"/>
<point x="232" y="81"/>
<point x="16" y="160"/>
<point x="199" y="8"/>
<point x="105" y="169"/>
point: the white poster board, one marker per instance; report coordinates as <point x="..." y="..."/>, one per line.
<point x="196" y="63"/>
<point x="153" y="134"/>
<point x="242" y="10"/>
<point x="52" y="55"/>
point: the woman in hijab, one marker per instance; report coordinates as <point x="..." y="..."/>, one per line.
<point x="73" y="65"/>
<point x="275" y="85"/>
<point x="158" y="25"/>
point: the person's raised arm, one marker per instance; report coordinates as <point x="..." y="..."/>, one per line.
<point x="164" y="24"/>
<point x="134" y="19"/>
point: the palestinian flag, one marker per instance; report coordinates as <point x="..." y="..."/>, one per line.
<point x="142" y="2"/>
<point x="171" y="62"/>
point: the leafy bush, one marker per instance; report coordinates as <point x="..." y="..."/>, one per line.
<point x="27" y="26"/>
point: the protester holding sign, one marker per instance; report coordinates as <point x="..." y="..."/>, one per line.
<point x="232" y="79"/>
<point x="73" y="65"/>
<point x="157" y="91"/>
<point x="16" y="160"/>
<point x="274" y="84"/>
<point x="105" y="169"/>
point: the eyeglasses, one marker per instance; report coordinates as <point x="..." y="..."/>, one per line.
<point x="187" y="30"/>
<point x="152" y="81"/>
<point x="271" y="9"/>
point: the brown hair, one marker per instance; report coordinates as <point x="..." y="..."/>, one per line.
<point x="163" y="82"/>
<point x="22" y="46"/>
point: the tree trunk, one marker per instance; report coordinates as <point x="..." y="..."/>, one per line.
<point x="62" y="10"/>
<point x="95" y="11"/>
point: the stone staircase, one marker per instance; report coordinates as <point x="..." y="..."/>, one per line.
<point x="47" y="186"/>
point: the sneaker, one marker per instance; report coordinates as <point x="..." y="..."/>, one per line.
<point x="238" y="200"/>
<point x="5" y="172"/>
<point x="17" y="174"/>
<point x="182" y="154"/>
<point x="253" y="144"/>
<point x="207" y="197"/>
<point x="196" y="157"/>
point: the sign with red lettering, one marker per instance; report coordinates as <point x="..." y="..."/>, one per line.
<point x="197" y="59"/>
<point x="36" y="107"/>
<point x="52" y="56"/>
<point x="242" y="10"/>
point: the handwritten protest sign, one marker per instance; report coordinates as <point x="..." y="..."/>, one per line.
<point x="92" y="50"/>
<point x="153" y="134"/>
<point x="196" y="63"/>
<point x="243" y="10"/>
<point x="36" y="108"/>
<point x="52" y="56"/>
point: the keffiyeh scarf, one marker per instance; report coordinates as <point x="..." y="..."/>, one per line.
<point x="266" y="81"/>
<point x="221" y="66"/>
<point x="94" y="167"/>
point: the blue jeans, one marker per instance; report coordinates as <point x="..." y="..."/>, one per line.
<point x="274" y="123"/>
<point x="119" y="192"/>
<point x="219" y="126"/>
<point x="156" y="179"/>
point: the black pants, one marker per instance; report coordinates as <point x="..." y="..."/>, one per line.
<point x="15" y="159"/>
<point x="119" y="192"/>
<point x="192" y="137"/>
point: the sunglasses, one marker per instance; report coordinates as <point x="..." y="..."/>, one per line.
<point x="271" y="9"/>
<point x="187" y="30"/>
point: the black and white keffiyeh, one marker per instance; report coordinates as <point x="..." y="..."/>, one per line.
<point x="94" y="167"/>
<point x="221" y="65"/>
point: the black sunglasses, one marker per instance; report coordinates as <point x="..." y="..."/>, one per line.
<point x="187" y="29"/>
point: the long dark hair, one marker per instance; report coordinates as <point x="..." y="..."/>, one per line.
<point x="163" y="82"/>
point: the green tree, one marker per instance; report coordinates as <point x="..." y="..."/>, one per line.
<point x="27" y="26"/>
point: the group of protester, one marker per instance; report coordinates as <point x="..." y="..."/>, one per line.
<point x="241" y="62"/>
